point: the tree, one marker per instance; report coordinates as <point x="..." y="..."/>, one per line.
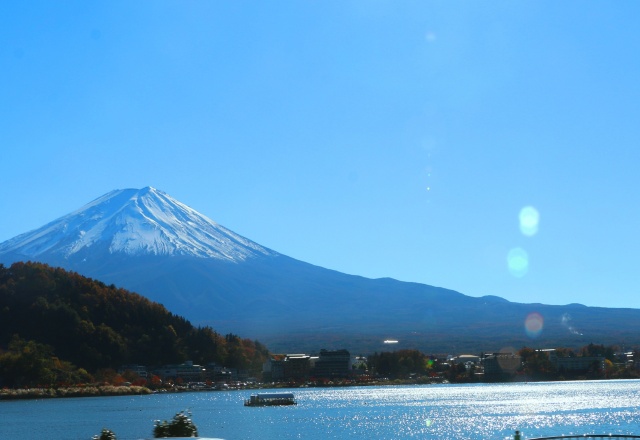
<point x="595" y="350"/>
<point x="180" y="426"/>
<point x="105" y="434"/>
<point x="27" y="363"/>
<point x="536" y="364"/>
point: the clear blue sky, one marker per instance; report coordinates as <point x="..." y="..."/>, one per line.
<point x="380" y="138"/>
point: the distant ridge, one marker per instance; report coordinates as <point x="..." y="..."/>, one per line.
<point x="148" y="242"/>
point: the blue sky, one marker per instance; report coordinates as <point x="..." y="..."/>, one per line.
<point x="383" y="139"/>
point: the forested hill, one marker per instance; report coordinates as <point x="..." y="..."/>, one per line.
<point x="96" y="326"/>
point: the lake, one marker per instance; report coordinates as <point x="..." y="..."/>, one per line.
<point x="478" y="411"/>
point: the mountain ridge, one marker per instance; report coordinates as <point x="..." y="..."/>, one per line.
<point x="244" y="288"/>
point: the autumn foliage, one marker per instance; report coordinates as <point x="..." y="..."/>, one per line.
<point x="65" y="318"/>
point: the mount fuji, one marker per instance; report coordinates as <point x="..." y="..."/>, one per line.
<point x="134" y="223"/>
<point x="148" y="242"/>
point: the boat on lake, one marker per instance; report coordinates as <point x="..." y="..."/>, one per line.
<point x="271" y="399"/>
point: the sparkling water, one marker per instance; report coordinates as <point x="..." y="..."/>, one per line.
<point x="479" y="411"/>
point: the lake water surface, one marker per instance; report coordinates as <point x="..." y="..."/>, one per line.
<point x="480" y="411"/>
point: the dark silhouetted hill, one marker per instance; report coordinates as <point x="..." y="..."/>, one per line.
<point x="97" y="326"/>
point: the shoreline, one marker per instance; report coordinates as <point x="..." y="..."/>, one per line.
<point x="77" y="391"/>
<point x="133" y="390"/>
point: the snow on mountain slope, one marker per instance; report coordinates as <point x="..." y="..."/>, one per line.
<point x="135" y="222"/>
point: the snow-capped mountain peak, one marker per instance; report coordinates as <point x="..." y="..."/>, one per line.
<point x="135" y="222"/>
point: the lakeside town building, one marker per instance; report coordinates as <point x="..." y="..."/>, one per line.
<point x="329" y="364"/>
<point x="497" y="365"/>
<point x="339" y="364"/>
<point x="140" y="370"/>
<point x="574" y="363"/>
<point x="188" y="372"/>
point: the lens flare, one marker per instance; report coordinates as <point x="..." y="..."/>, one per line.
<point x="518" y="262"/>
<point x="534" y="324"/>
<point x="529" y="219"/>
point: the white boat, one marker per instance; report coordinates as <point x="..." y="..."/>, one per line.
<point x="271" y="399"/>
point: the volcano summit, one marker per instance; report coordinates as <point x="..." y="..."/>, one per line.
<point x="135" y="223"/>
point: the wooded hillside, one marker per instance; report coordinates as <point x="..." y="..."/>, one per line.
<point x="94" y="326"/>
